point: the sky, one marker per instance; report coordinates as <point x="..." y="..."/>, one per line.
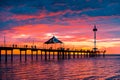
<point x="71" y="21"/>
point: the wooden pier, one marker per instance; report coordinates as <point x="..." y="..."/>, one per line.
<point x="61" y="53"/>
<point x="47" y="54"/>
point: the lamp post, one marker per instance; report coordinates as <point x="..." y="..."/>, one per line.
<point x="95" y="30"/>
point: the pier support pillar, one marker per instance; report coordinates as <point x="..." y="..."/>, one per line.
<point x="63" y="55"/>
<point x="58" y="54"/>
<point x="49" y="55"/>
<point x="69" y="55"/>
<point x="45" y="55"/>
<point x="103" y="54"/>
<point x="31" y="55"/>
<point x="0" y="56"/>
<point x="5" y="55"/>
<point x="36" y="55"/>
<point x="84" y="54"/>
<point x="25" y="56"/>
<point x="73" y="55"/>
<point x="41" y="55"/>
<point x="11" y="55"/>
<point x="81" y="54"/>
<point x="77" y="54"/>
<point x="20" y="55"/>
<point x="87" y="54"/>
<point x="53" y="55"/>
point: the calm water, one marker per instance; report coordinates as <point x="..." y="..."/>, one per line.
<point x="107" y="68"/>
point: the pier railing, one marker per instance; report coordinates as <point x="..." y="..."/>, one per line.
<point x="61" y="53"/>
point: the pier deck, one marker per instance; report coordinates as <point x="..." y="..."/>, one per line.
<point x="61" y="53"/>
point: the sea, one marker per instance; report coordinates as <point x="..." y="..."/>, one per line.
<point x="84" y="68"/>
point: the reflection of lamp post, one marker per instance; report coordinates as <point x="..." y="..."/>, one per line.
<point x="95" y="30"/>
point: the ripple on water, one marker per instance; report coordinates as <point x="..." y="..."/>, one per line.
<point x="117" y="77"/>
<point x="118" y="71"/>
<point x="92" y="78"/>
<point x="73" y="69"/>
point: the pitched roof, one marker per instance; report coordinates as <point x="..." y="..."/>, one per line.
<point x="53" y="40"/>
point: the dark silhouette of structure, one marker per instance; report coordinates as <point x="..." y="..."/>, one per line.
<point x="95" y="30"/>
<point x="60" y="53"/>
<point x="53" y="40"/>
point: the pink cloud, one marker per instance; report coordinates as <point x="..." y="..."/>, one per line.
<point x="41" y="15"/>
<point x="78" y="33"/>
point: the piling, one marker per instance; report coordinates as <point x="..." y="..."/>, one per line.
<point x="0" y="56"/>
<point x="104" y="53"/>
<point x="36" y="55"/>
<point x="41" y="54"/>
<point x="25" y="56"/>
<point x="20" y="55"/>
<point x="11" y="55"/>
<point x="49" y="54"/>
<point x="73" y="55"/>
<point x="45" y="55"/>
<point x="63" y="54"/>
<point x="81" y="54"/>
<point x="53" y="55"/>
<point x="69" y="56"/>
<point x="87" y="54"/>
<point x="5" y="55"/>
<point x="58" y="55"/>
<point x="32" y="55"/>
<point x="77" y="55"/>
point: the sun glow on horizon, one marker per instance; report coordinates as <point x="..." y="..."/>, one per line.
<point x="72" y="22"/>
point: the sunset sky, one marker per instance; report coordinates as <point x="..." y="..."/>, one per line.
<point x="72" y="21"/>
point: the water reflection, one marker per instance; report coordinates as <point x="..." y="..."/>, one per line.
<point x="73" y="69"/>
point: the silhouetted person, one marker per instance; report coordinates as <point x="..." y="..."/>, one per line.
<point x="35" y="46"/>
<point x="16" y="45"/>
<point x="26" y="46"/>
<point x="50" y="48"/>
<point x="13" y="45"/>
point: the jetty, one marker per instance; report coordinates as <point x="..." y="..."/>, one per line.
<point x="60" y="53"/>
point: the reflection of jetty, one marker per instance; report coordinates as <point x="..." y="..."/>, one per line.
<point x="61" y="53"/>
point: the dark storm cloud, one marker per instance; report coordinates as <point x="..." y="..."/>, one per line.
<point x="35" y="6"/>
<point x="109" y="10"/>
<point x="10" y="10"/>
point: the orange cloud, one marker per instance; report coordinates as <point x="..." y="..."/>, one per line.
<point x="74" y="34"/>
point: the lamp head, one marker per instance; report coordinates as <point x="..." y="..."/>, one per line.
<point x="94" y="29"/>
